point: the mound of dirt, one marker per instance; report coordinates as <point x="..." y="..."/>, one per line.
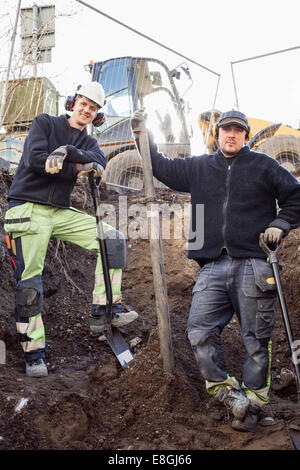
<point x="88" y="401"/>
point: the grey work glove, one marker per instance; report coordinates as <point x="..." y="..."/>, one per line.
<point x="85" y="168"/>
<point x="137" y="118"/>
<point x="273" y="235"/>
<point x="55" y="160"/>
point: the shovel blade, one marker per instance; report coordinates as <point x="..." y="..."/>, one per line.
<point x="119" y="347"/>
<point x="295" y="437"/>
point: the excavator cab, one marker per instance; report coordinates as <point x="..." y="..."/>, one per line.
<point x="132" y="83"/>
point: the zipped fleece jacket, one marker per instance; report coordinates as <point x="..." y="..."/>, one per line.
<point x="239" y="201"/>
<point x="47" y="133"/>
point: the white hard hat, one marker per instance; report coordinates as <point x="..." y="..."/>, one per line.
<point x="93" y="91"/>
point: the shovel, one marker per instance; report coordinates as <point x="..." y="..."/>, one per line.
<point x="272" y="257"/>
<point x="113" y="335"/>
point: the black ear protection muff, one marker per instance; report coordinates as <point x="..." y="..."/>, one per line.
<point x="99" y="120"/>
<point x="235" y="116"/>
<point x="69" y="105"/>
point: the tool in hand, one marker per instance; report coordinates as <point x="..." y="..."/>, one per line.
<point x="113" y="335"/>
<point x="294" y="429"/>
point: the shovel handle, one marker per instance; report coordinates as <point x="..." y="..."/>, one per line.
<point x="271" y="254"/>
<point x="102" y="243"/>
<point x="283" y="307"/>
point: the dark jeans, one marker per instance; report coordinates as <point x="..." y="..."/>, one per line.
<point x="224" y="287"/>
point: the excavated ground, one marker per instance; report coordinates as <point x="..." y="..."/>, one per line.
<point x="88" y="402"/>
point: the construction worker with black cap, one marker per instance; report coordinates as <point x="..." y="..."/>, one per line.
<point x="240" y="192"/>
<point x="57" y="151"/>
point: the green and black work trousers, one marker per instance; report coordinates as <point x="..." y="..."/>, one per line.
<point x="30" y="227"/>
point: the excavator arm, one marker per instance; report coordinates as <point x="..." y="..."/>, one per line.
<point x="265" y="133"/>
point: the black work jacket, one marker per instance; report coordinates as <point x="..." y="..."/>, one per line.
<point x="231" y="205"/>
<point x="47" y="133"/>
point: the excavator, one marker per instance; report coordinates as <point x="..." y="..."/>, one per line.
<point x="132" y="83"/>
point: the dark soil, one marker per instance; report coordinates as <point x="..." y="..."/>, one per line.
<point x="88" y="402"/>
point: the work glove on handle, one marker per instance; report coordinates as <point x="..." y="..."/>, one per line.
<point x="273" y="235"/>
<point x="55" y="160"/>
<point x="85" y="168"/>
<point x="137" y="119"/>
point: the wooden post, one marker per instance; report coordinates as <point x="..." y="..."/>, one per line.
<point x="158" y="267"/>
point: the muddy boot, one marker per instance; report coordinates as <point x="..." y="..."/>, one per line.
<point x="36" y="368"/>
<point x="235" y="400"/>
<point x="249" y="422"/>
<point x="98" y="320"/>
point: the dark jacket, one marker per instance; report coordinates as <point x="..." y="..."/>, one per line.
<point x="238" y="202"/>
<point x="47" y="133"/>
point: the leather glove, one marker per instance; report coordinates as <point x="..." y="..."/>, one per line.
<point x="273" y="235"/>
<point x="85" y="168"/>
<point x="137" y="118"/>
<point x="55" y="160"/>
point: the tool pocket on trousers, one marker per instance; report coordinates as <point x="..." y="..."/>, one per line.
<point x="18" y="219"/>
<point x="258" y="278"/>
<point x="202" y="281"/>
<point x="265" y="317"/>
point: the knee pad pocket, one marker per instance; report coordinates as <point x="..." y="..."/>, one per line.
<point x="27" y="302"/>
<point x="29" y="298"/>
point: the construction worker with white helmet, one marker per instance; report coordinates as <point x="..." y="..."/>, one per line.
<point x="57" y="151"/>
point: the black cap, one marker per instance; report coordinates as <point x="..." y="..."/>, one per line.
<point x="234" y="117"/>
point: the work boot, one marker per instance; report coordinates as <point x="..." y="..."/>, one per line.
<point x="249" y="422"/>
<point x="98" y="320"/>
<point x="36" y="368"/>
<point x="234" y="400"/>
